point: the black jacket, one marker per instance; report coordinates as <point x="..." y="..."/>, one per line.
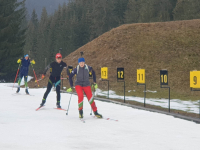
<point x="56" y="68"/>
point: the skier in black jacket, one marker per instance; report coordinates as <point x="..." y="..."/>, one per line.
<point x="56" y="68"/>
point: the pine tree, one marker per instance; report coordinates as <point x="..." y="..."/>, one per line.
<point x="132" y="12"/>
<point x="102" y="17"/>
<point x="42" y="37"/>
<point x="187" y="9"/>
<point x="149" y="11"/>
<point x="12" y="37"/>
<point x="34" y="19"/>
<point x="120" y="6"/>
<point x="173" y="4"/>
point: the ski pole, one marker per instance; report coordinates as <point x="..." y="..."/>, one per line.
<point x="92" y="95"/>
<point x="91" y="106"/>
<point x="16" y="76"/>
<point x="38" y="80"/>
<point x="91" y="112"/>
<point x="69" y="104"/>
<point x="35" y="75"/>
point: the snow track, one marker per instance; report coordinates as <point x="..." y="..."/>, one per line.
<point x="23" y="128"/>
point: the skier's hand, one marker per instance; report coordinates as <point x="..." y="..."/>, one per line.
<point x="33" y="62"/>
<point x="95" y="86"/>
<point x="19" y="61"/>
<point x="70" y="89"/>
<point x="43" y="76"/>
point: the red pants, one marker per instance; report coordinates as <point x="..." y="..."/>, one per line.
<point x="88" y="92"/>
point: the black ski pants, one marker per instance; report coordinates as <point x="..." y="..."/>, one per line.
<point x="56" y="82"/>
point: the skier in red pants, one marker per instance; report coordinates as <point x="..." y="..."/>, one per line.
<point x="82" y="84"/>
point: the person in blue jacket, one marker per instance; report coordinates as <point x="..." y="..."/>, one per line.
<point x="24" y="62"/>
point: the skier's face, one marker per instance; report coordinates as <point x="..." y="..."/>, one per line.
<point x="82" y="64"/>
<point x="58" y="60"/>
<point x="26" y="57"/>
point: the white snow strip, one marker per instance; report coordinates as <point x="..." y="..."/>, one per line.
<point x="189" y="106"/>
<point x="149" y="91"/>
<point x="16" y="84"/>
<point x="23" y="128"/>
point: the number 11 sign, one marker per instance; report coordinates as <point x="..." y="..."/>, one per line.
<point x="141" y="76"/>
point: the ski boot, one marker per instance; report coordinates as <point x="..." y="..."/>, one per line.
<point x="43" y="102"/>
<point x="27" y="91"/>
<point x="98" y="115"/>
<point x="18" y="89"/>
<point x="81" y="113"/>
<point x="58" y="105"/>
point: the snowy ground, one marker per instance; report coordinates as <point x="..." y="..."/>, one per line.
<point x="16" y="84"/>
<point x="188" y="106"/>
<point x="23" y="128"/>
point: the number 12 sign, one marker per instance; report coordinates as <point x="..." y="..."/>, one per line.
<point x="141" y="76"/>
<point x="120" y="73"/>
<point x="195" y="79"/>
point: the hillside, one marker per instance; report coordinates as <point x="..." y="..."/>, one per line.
<point x="153" y="46"/>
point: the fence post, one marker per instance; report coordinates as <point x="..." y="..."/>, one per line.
<point x="120" y="78"/>
<point x="141" y="81"/>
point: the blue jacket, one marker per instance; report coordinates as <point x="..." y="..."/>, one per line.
<point x="24" y="66"/>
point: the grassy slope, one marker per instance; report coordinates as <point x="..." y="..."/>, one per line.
<point x="153" y="46"/>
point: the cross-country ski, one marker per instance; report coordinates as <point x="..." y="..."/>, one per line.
<point x="82" y="120"/>
<point x="106" y="118"/>
<point x="39" y="108"/>
<point x="60" y="109"/>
